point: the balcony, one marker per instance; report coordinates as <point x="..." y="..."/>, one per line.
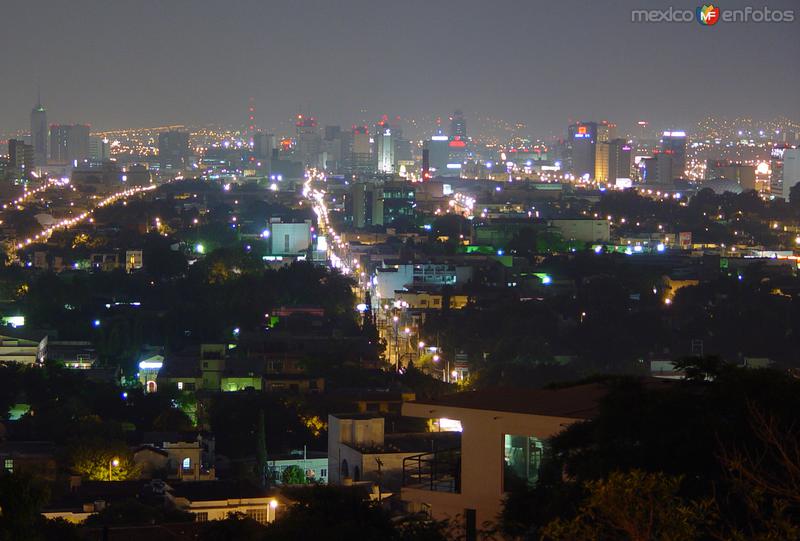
<point x="438" y="471"/>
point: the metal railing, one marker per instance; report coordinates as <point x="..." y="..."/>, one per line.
<point x="438" y="471"/>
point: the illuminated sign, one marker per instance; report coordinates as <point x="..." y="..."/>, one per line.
<point x="584" y="135"/>
<point x="150" y="365"/>
<point x="439" y="138"/>
<point x="674" y="134"/>
<point x="454" y="166"/>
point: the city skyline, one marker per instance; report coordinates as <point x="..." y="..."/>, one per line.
<point x="541" y="65"/>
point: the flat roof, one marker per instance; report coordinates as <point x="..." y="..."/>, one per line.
<point x="577" y="402"/>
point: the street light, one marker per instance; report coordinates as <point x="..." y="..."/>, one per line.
<point x="113" y="463"/>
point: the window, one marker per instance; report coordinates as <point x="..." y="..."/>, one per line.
<point x="286" y="243"/>
<point x="201" y="517"/>
<point x="323" y="473"/>
<point x="8" y="464"/>
<point x="187" y="463"/>
<point x="180" y="385"/>
<point x="345" y="468"/>
<point x="259" y="515"/>
<point x="522" y="460"/>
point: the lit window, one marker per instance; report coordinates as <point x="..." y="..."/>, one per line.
<point x="187" y="463"/>
<point x="8" y="464"/>
<point x="201" y="517"/>
<point x="180" y="385"/>
<point x="259" y="515"/>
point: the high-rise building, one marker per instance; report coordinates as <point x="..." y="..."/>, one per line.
<point x="744" y="175"/>
<point x="309" y="141"/>
<point x="384" y="148"/>
<point x="673" y="143"/>
<point x="438" y="154"/>
<point x="20" y="158"/>
<point x="360" y="151"/>
<point x="173" y="149"/>
<point x="791" y="170"/>
<point x="39" y="133"/>
<point x="99" y="149"/>
<point x="619" y="160"/>
<point x="581" y="148"/>
<point x="458" y="126"/>
<point x="69" y="143"/>
<point x="657" y="169"/>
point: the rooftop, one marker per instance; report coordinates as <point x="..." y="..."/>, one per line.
<point x="578" y="402"/>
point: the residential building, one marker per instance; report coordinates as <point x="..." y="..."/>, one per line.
<point x="503" y="435"/>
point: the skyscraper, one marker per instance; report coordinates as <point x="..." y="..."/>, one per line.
<point x="581" y="143"/>
<point x="360" y="162"/>
<point x="173" y="149"/>
<point x="673" y="143"/>
<point x="384" y="147"/>
<point x="39" y="133"/>
<point x="791" y="170"/>
<point x="69" y="143"/>
<point x="309" y="141"/>
<point x="458" y="126"/>
<point x="21" y="160"/>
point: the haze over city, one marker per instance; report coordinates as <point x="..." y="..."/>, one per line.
<point x="121" y="65"/>
<point x="407" y="270"/>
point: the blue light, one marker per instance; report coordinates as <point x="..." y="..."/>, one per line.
<point x="546" y="280"/>
<point x="660" y="247"/>
<point x="500" y="252"/>
<point x="96" y="323"/>
<point x="598" y="249"/>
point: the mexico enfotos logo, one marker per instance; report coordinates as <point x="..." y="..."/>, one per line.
<point x="711" y="14"/>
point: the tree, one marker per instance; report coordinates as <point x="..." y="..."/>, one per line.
<point x="632" y="506"/>
<point x="293" y="475"/>
<point x="100" y="460"/>
<point x="173" y="420"/>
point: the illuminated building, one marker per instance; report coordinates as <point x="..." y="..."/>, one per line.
<point x="776" y="169"/>
<point x="581" y="143"/>
<point x="173" y="149"/>
<point x="39" y="133"/>
<point x="744" y="175"/>
<point x="384" y="147"/>
<point x="438" y="154"/>
<point x="606" y="132"/>
<point x="656" y="169"/>
<point x="673" y="143"/>
<point x="360" y="151"/>
<point x="309" y="141"/>
<point x="99" y="149"/>
<point x="21" y="158"/>
<point x="791" y="170"/>
<point x="458" y="126"/>
<point x="612" y="160"/>
<point x="69" y="143"/>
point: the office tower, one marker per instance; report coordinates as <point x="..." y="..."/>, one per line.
<point x="39" y="133"/>
<point x="619" y="160"/>
<point x="438" y="154"/>
<point x="791" y="170"/>
<point x="361" y="162"/>
<point x="99" y="150"/>
<point x="458" y="126"/>
<point x="384" y="147"/>
<point x="263" y="143"/>
<point x="69" y="143"/>
<point x="333" y="149"/>
<point x="309" y="141"/>
<point x="21" y="158"/>
<point x="426" y="164"/>
<point x="673" y="143"/>
<point x="606" y="132"/>
<point x="173" y="149"/>
<point x="776" y="169"/>
<point x="656" y="169"/>
<point x="744" y="175"/>
<point x="581" y="142"/>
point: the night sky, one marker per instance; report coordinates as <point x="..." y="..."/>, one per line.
<point x="117" y="64"/>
